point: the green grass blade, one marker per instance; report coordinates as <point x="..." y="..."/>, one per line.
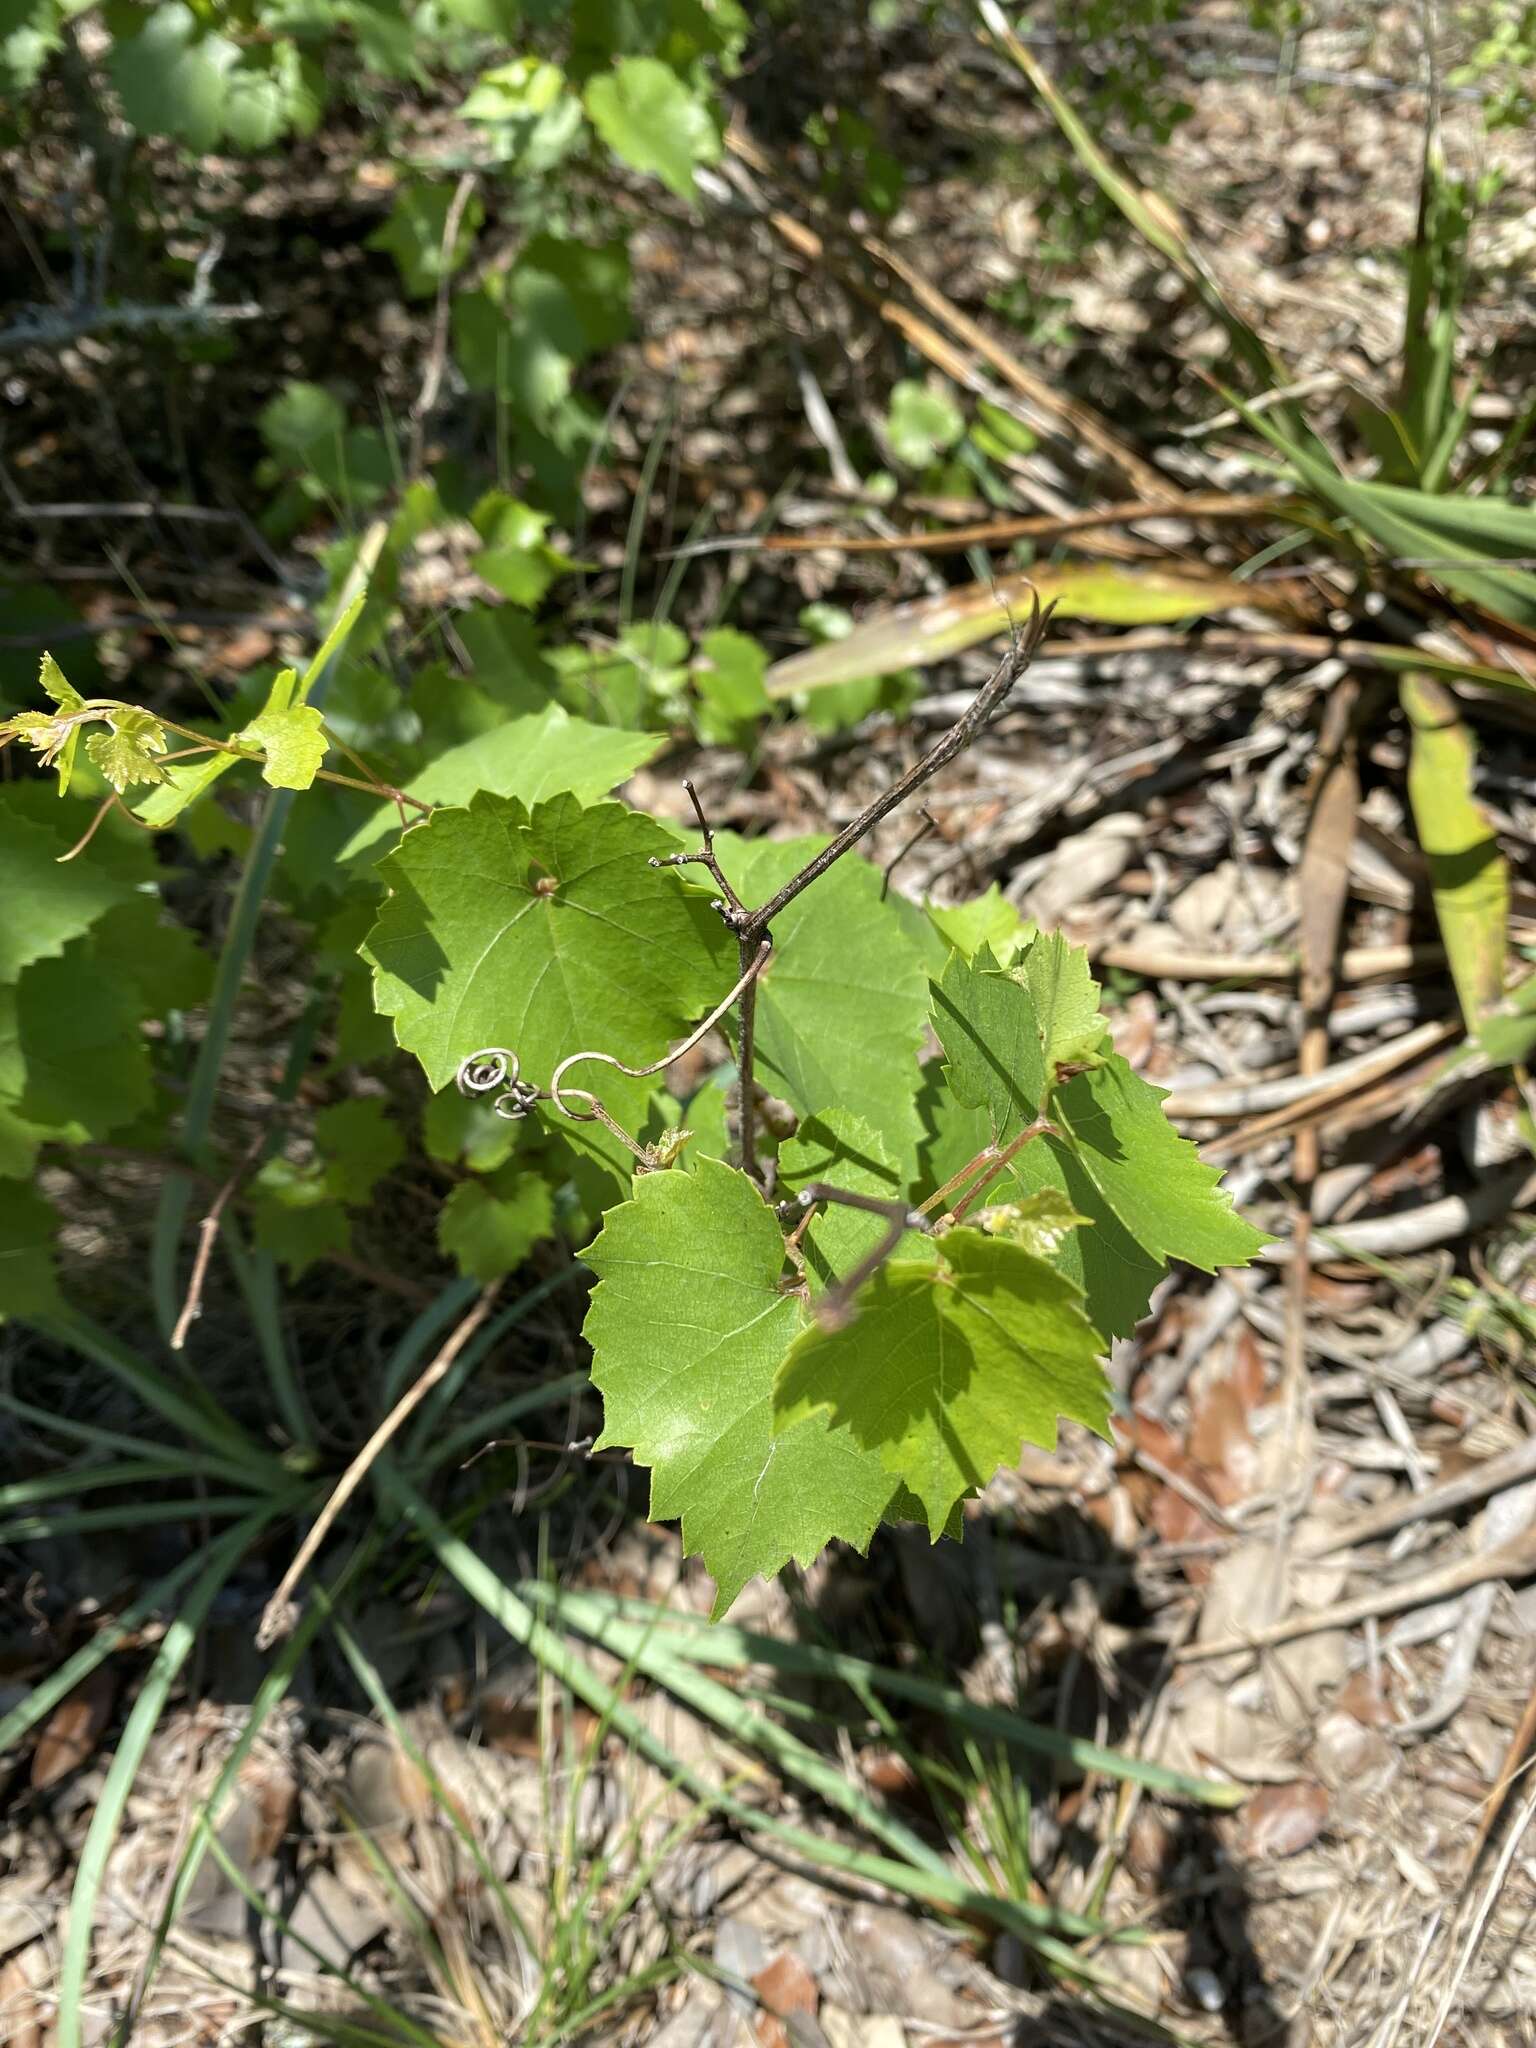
<point x="218" y="1562"/>
<point x="133" y="1515"/>
<point x="92" y="1478"/>
<point x="1468" y="874"/>
<point x="692" y="1638"/>
<point x="201" y="1462"/>
<point x="206" y="1425"/>
<point x="938" y="1888"/>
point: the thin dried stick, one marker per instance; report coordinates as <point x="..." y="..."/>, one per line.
<point x="1515" y="1560"/>
<point x="437" y="354"/>
<point x="835" y="1306"/>
<point x="988" y="700"/>
<point x="988" y="532"/>
<point x="281" y="1612"/>
<point x="207" y="1236"/>
<point x="1492" y="1475"/>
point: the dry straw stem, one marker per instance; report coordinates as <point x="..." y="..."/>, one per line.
<point x="1054" y="405"/>
<point x="280" y="1614"/>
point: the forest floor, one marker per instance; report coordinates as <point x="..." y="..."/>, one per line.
<point x="1346" y="1466"/>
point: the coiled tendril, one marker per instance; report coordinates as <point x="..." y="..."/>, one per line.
<point x="494" y="1068"/>
<point x="491" y="1069"/>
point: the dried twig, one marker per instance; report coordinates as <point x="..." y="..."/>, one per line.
<point x="207" y="1236"/>
<point x="1492" y="1475"/>
<point x="437" y="354"/>
<point x="1516" y="1560"/>
<point x="280" y="1614"/>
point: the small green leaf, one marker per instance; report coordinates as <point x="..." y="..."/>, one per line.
<point x="951" y="1366"/>
<point x="532" y="759"/>
<point x="293" y="743"/>
<point x="1066" y="1002"/>
<point x="55" y="684"/>
<point x="125" y="752"/>
<point x="1111" y="1153"/>
<point x="921" y="423"/>
<point x="728" y="672"/>
<point x="295" y="1216"/>
<point x="987" y="920"/>
<point x="78" y="1032"/>
<point x="516" y="560"/>
<point x="358" y="1144"/>
<point x="303" y="422"/>
<point x="1043" y="1222"/>
<point x="688" y="1326"/>
<point x="841" y="1006"/>
<point x="650" y="119"/>
<point x="489" y="1230"/>
<point x="172" y="78"/>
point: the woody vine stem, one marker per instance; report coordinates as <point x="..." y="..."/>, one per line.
<point x="752" y="928"/>
<point x="495" y="1070"/>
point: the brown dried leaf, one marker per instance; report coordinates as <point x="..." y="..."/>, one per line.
<point x="786" y="1986"/>
<point x="73" y="1729"/>
<point x="1282" y="1820"/>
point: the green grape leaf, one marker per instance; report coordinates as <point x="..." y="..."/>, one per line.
<point x="950" y="1366"/>
<point x="921" y="423"/>
<point x="28" y="1230"/>
<point x="650" y="119"/>
<point x="134" y="947"/>
<point x="1154" y="1180"/>
<point x="516" y="560"/>
<point x="295" y="1217"/>
<point x="1114" y="1154"/>
<point x="293" y="743"/>
<point x="46" y="904"/>
<point x="19" y="1138"/>
<point x="843" y="1151"/>
<point x="489" y="1230"/>
<point x="54" y="738"/>
<point x="728" y="672"/>
<point x="302" y="423"/>
<point x="531" y="759"/>
<point x="125" y="752"/>
<point x="465" y="1130"/>
<point x="545" y="932"/>
<point x="358" y="1144"/>
<point x="988" y="920"/>
<point x="1066" y="1002"/>
<point x="77" y="1030"/>
<point x="181" y="783"/>
<point x="55" y="684"/>
<point x="688" y="1325"/>
<point x="1116" y="1275"/>
<point x="841" y="1008"/>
